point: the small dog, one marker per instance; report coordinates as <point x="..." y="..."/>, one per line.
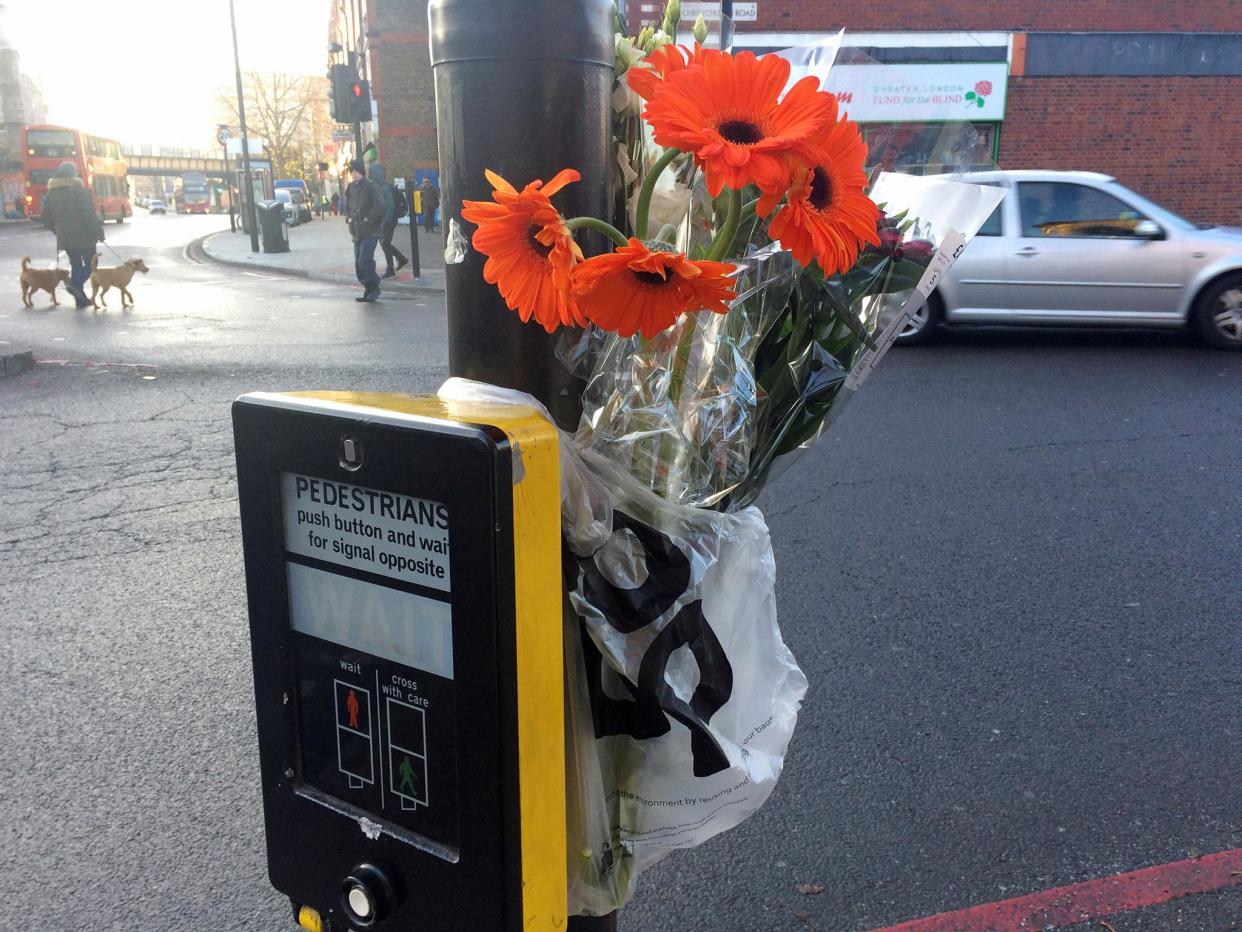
<point x="118" y="277"/>
<point x="41" y="280"/>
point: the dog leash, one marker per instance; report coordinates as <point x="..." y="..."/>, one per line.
<point x="113" y="251"/>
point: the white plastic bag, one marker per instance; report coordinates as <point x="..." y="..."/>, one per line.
<point x="681" y="695"/>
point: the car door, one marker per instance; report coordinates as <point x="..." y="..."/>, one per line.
<point x="1081" y="259"/>
<point x="977" y="286"/>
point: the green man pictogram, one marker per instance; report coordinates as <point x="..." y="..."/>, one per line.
<point x="407" y="776"/>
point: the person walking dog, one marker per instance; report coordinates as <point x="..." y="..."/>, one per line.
<point x="364" y="209"/>
<point x="69" y="212"/>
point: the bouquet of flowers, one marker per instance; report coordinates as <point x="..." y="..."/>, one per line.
<point x="757" y="274"/>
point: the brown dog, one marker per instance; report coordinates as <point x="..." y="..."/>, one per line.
<point x="41" y="280"/>
<point x="118" y="277"/>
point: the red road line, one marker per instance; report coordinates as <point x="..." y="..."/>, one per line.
<point x="1092" y="899"/>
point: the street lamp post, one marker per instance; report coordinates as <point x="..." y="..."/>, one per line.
<point x="251" y="216"/>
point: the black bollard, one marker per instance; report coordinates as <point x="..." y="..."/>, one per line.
<point x="523" y="89"/>
<point x="416" y="262"/>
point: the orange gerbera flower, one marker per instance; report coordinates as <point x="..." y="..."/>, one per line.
<point x="646" y="75"/>
<point x="828" y="216"/>
<point x="531" y="252"/>
<point x="636" y="288"/>
<point x="728" y="111"/>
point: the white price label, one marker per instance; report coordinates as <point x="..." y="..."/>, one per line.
<point x="945" y="256"/>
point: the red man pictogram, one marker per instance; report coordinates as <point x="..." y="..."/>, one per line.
<point x="351" y="706"/>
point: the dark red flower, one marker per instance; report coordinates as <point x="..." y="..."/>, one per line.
<point x="895" y="246"/>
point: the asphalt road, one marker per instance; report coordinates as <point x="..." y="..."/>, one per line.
<point x="1011" y="575"/>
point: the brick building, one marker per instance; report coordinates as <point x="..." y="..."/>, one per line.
<point x="389" y="39"/>
<point x="1146" y="90"/>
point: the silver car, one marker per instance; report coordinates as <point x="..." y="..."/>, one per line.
<point x="1077" y="248"/>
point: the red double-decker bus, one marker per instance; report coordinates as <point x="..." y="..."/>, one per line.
<point x="99" y="164"/>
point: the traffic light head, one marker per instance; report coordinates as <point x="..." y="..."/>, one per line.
<point x="360" y="102"/>
<point x="341" y="78"/>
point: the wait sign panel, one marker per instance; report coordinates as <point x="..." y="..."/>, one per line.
<point x="403" y="576"/>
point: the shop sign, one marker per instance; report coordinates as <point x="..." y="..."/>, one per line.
<point x="711" y="12"/>
<point x="690" y="11"/>
<point x="917" y="93"/>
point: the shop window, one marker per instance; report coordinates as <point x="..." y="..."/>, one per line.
<point x="930" y="148"/>
<point x="1057" y="209"/>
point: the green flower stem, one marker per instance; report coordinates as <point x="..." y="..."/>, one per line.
<point x="599" y="226"/>
<point x="644" y="193"/>
<point x="667" y="234"/>
<point x="724" y="239"/>
<point x="671" y="451"/>
<point x="748" y="210"/>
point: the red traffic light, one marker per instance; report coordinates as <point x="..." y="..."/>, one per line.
<point x="357" y="89"/>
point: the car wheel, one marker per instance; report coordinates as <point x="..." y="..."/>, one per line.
<point x="1218" y="313"/>
<point x="923" y="323"/>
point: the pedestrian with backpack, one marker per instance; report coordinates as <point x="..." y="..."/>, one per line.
<point x="390" y="194"/>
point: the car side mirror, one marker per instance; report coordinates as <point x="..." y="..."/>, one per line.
<point x="1148" y="229"/>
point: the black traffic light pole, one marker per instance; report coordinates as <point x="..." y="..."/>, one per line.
<point x="523" y="89"/>
<point x="228" y="183"/>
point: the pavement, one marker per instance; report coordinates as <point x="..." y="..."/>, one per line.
<point x="322" y="250"/>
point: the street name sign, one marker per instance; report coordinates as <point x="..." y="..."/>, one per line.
<point x="403" y="575"/>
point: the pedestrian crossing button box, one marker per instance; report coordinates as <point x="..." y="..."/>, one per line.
<point x="403" y="575"/>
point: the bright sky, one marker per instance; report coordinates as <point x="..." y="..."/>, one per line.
<point x="149" y="71"/>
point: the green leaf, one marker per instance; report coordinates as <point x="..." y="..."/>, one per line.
<point x="980" y="101"/>
<point x="970" y="95"/>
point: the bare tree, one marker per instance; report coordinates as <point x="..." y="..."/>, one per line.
<point x="289" y="113"/>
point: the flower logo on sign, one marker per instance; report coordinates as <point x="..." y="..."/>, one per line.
<point x="979" y="94"/>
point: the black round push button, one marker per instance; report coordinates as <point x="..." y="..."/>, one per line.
<point x="366" y="896"/>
